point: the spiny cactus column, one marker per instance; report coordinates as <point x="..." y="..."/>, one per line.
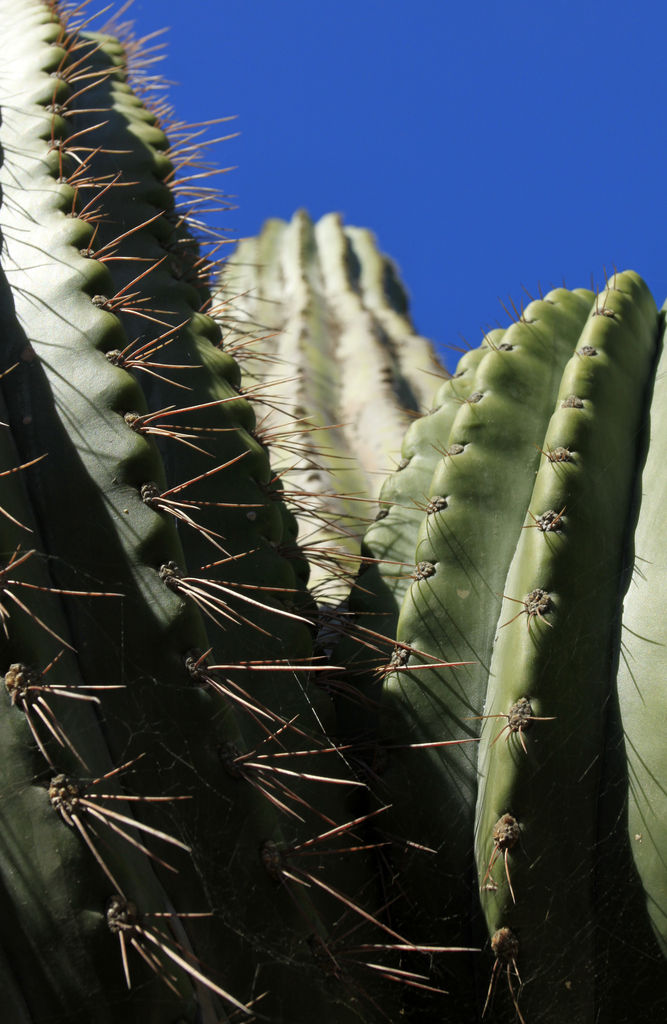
<point x="642" y="693"/>
<point x="330" y="311"/>
<point x="390" y="542"/>
<point x="148" y="756"/>
<point x="523" y="576"/>
<point x="555" y="654"/>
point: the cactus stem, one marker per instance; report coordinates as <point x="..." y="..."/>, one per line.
<point x="14" y="562"/>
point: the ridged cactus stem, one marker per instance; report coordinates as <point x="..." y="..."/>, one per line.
<point x="545" y="754"/>
<point x="338" y="320"/>
<point x="462" y="554"/>
<point x="118" y="396"/>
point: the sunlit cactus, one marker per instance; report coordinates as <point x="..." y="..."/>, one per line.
<point x="522" y="565"/>
<point x="320" y="323"/>
<point x="253" y="767"/>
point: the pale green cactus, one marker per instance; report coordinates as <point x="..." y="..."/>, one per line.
<point x="320" y="322"/>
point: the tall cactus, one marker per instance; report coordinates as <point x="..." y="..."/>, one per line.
<point x="167" y="748"/>
<point x="188" y="830"/>
<point x="522" y="561"/>
<point x="338" y="364"/>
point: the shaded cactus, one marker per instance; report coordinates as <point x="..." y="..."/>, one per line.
<point x="168" y="749"/>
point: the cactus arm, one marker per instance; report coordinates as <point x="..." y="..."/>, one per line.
<point x="384" y="364"/>
<point x="391" y="540"/>
<point x="384" y="295"/>
<point x="406" y="492"/>
<point x="96" y="532"/>
<point x="641" y="689"/>
<point x="558" y="654"/>
<point x="446" y="613"/>
<point x="339" y="319"/>
<point x="470" y="543"/>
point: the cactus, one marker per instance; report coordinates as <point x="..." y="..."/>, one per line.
<point x="338" y="353"/>
<point x="521" y="567"/>
<point x="173" y="820"/>
<point x="188" y="830"/>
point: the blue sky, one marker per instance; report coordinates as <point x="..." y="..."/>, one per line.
<point x="489" y="145"/>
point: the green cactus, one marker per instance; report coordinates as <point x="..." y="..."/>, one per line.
<point x="520" y="571"/>
<point x="190" y="832"/>
<point x="336" y="351"/>
<point x="168" y="747"/>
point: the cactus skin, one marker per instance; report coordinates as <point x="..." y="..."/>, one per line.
<point x="74" y="472"/>
<point x="564" y="907"/>
<point x="640" y="678"/>
<point x="337" y="318"/>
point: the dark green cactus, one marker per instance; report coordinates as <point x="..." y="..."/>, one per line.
<point x="168" y="748"/>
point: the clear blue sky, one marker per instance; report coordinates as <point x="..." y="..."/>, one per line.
<point x="489" y="145"/>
